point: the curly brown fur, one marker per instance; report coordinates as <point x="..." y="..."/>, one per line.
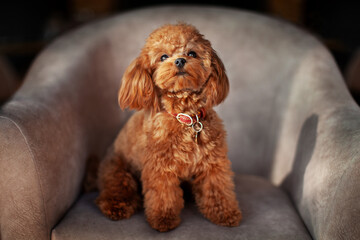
<point x="156" y="148"/>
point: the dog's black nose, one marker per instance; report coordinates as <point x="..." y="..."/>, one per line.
<point x="180" y="62"/>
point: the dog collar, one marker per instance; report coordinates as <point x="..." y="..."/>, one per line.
<point x="190" y="120"/>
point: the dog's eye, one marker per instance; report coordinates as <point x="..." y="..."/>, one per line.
<point x="192" y="54"/>
<point x="164" y="57"/>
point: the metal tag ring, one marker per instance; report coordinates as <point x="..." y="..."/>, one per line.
<point x="198" y="124"/>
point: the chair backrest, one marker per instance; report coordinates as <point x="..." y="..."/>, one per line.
<point x="262" y="55"/>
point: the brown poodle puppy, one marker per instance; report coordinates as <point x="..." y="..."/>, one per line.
<point x="176" y="136"/>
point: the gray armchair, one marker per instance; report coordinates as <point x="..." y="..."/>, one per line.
<point x="293" y="132"/>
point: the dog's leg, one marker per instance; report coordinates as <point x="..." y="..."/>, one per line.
<point x="163" y="199"/>
<point x="118" y="197"/>
<point x="215" y="196"/>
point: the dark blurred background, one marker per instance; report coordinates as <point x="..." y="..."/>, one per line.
<point x="27" y="26"/>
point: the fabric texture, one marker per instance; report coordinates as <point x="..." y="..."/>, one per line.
<point x="268" y="214"/>
<point x="289" y="118"/>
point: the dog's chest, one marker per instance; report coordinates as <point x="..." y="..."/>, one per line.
<point x="178" y="149"/>
<point x="187" y="156"/>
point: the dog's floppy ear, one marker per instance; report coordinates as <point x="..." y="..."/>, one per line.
<point x="137" y="89"/>
<point x="218" y="85"/>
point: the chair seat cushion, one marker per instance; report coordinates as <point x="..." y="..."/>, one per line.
<point x="268" y="213"/>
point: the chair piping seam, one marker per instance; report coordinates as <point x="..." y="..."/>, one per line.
<point x="35" y="165"/>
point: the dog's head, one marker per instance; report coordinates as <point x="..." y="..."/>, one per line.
<point x="175" y="59"/>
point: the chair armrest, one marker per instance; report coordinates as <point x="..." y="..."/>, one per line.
<point x="65" y="112"/>
<point x="43" y="162"/>
<point x="317" y="159"/>
<point x="22" y="213"/>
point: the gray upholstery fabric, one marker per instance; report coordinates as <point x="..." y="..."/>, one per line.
<point x="289" y="117"/>
<point x="268" y="214"/>
<point x="21" y="202"/>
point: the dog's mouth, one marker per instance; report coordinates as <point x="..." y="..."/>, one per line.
<point x="181" y="82"/>
<point x="181" y="73"/>
<point x="187" y="91"/>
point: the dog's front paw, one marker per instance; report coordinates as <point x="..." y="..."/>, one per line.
<point x="164" y="223"/>
<point x="231" y="218"/>
<point x="226" y="217"/>
<point x="117" y="210"/>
